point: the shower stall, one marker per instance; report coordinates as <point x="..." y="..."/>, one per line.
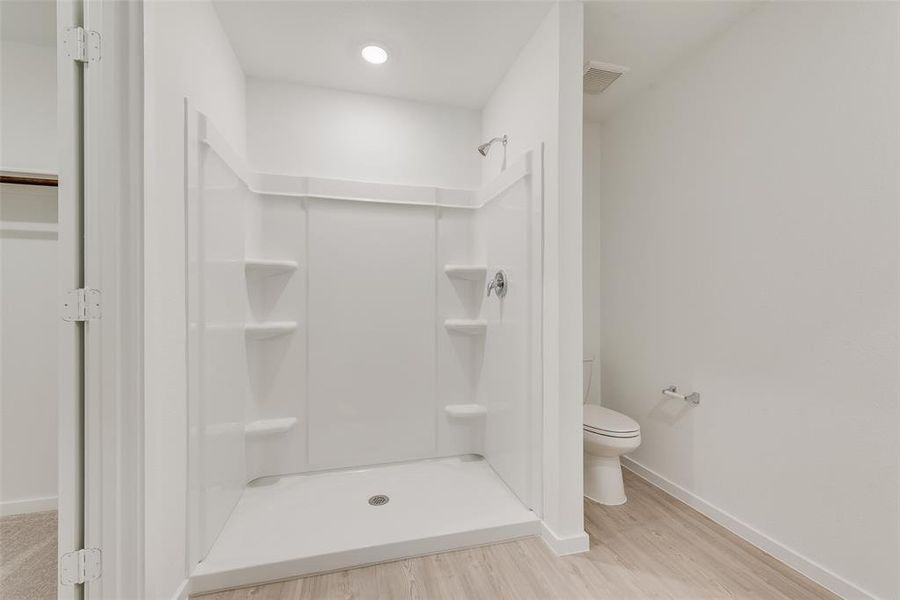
<point x="354" y="354"/>
<point x="356" y="392"/>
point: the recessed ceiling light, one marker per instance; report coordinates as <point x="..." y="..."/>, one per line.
<point x="374" y="54"/>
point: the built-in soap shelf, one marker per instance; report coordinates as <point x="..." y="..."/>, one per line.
<point x="467" y="272"/>
<point x="269" y="329"/>
<point x="465" y="411"/>
<point x="267" y="267"/>
<point x="268" y="427"/>
<point x="466" y="326"/>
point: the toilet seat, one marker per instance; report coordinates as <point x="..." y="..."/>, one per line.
<point x="603" y="421"/>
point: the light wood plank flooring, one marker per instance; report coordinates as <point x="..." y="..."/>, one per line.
<point x="652" y="547"/>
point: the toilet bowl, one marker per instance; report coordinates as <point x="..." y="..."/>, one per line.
<point x="607" y="435"/>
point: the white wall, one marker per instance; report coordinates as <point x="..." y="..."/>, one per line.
<point x="29" y="316"/>
<point x="28" y="321"/>
<point x="743" y="218"/>
<point x="186" y="54"/>
<point x="301" y="130"/>
<point x="539" y="102"/>
<point x="27" y="107"/>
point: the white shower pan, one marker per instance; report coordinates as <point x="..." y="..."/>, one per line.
<point x="310" y="523"/>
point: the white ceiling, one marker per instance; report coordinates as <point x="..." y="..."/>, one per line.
<point x="29" y="21"/>
<point x="650" y="38"/>
<point x="448" y="52"/>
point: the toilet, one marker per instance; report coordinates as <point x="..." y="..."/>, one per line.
<point x="607" y="435"/>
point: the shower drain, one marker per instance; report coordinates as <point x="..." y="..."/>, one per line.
<point x="379" y="500"/>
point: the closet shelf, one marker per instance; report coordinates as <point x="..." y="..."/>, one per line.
<point x="466" y="326"/>
<point x="268" y="267"/>
<point x="267" y="427"/>
<point x="468" y="272"/>
<point x="465" y="411"/>
<point x="259" y="331"/>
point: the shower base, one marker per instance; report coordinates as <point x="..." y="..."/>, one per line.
<point x="300" y="524"/>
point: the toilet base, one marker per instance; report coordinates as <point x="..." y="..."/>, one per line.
<point x="603" y="480"/>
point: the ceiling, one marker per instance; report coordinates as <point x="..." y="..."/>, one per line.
<point x="448" y="52"/>
<point x="28" y="21"/>
<point x="649" y="38"/>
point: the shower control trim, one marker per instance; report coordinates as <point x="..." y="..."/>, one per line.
<point x="499" y="284"/>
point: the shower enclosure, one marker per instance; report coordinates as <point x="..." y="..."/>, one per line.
<point x="355" y="395"/>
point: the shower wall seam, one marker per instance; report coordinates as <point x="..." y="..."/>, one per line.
<point x="307" y="268"/>
<point x="436" y="399"/>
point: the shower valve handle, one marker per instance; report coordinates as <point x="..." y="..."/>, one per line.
<point x="498" y="284"/>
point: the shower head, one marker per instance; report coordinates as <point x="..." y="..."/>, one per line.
<point x="483" y="149"/>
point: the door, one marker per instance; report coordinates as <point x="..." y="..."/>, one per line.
<point x="100" y="127"/>
<point x="70" y="87"/>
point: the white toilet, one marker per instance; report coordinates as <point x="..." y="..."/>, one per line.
<point x="607" y="435"/>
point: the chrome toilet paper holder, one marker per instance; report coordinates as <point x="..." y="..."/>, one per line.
<point x="672" y="392"/>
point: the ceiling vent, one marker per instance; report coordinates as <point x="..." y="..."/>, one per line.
<point x="599" y="75"/>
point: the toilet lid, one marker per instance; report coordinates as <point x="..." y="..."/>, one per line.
<point x="604" y="420"/>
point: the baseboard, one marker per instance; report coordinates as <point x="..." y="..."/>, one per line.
<point x="562" y="546"/>
<point x="29" y="505"/>
<point x="788" y="556"/>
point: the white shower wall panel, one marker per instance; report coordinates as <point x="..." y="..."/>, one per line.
<point x="507" y="386"/>
<point x="371" y="327"/>
<point x="216" y="222"/>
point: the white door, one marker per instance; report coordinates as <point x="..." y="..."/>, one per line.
<point x="71" y="276"/>
<point x="100" y="244"/>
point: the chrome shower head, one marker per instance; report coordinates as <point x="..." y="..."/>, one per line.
<point x="483" y="149"/>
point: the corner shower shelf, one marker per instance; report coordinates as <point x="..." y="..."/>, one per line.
<point x="267" y="427"/>
<point x="269" y="267"/>
<point x="465" y="411"/>
<point x="466" y="326"/>
<point x="468" y="272"/>
<point x="259" y="331"/>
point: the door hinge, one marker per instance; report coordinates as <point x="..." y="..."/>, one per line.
<point x="80" y="566"/>
<point x="82" y="45"/>
<point x="82" y="304"/>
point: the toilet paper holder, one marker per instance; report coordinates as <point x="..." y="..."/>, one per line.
<point x="672" y="392"/>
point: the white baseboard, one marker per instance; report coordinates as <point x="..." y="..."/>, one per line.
<point x="568" y="545"/>
<point x="29" y="505"/>
<point x="788" y="556"/>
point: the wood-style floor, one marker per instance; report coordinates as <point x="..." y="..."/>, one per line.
<point x="652" y="547"/>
